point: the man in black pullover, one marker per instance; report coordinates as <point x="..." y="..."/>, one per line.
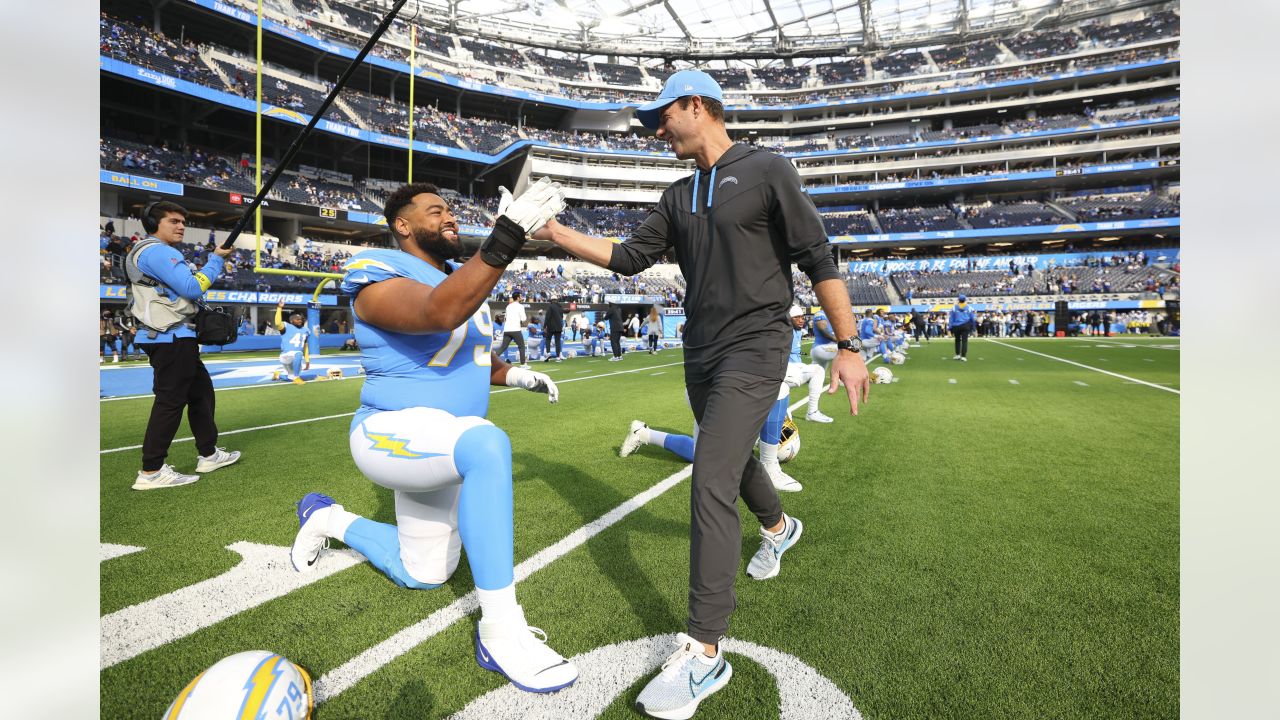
<point x="736" y="225"/>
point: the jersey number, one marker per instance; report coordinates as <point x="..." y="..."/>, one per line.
<point x="297" y="340"/>
<point x="481" y="356"/>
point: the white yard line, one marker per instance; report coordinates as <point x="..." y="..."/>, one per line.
<point x="1088" y="367"/>
<point x="346" y="675"/>
<point x="341" y="415"/>
<point x="1081" y="384"/>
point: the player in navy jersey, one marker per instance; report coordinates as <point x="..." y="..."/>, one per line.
<point x="294" y="349"/>
<point x="426" y="345"/>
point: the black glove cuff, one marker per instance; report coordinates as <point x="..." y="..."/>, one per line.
<point x="502" y="245"/>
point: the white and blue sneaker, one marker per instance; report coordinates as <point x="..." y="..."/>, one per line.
<point x="687" y="678"/>
<point x="313" y="536"/>
<point x="768" y="559"/>
<point x="510" y="647"/>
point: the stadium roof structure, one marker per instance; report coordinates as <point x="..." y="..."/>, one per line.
<point x="707" y="29"/>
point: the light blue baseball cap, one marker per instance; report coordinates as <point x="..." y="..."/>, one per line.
<point x="682" y="84"/>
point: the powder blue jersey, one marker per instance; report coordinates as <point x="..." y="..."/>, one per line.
<point x="448" y="371"/>
<point x="795" y="347"/>
<point x="867" y="328"/>
<point x="821" y="337"/>
<point x="294" y="338"/>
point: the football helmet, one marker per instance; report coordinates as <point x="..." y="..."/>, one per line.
<point x="789" y="444"/>
<point x="882" y="375"/>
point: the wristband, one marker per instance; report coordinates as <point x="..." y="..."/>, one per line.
<point x="500" y="248"/>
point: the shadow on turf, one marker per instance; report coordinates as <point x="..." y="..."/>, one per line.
<point x="611" y="551"/>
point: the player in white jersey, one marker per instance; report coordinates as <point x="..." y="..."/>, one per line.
<point x="426" y="342"/>
<point x="801" y="373"/>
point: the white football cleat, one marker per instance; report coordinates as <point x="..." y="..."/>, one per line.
<point x="818" y="417"/>
<point x="633" y="440"/>
<point x="781" y="481"/>
<point x="313" y="536"/>
<point x="165" y="477"/>
<point x="510" y="647"/>
<point x="687" y="678"/>
<point x="219" y="458"/>
<point x="768" y="559"/>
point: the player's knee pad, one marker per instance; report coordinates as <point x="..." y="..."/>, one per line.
<point x="430" y="545"/>
<point x="482" y="446"/>
<point x="412" y="449"/>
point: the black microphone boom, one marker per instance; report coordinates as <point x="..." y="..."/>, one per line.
<point x="315" y="118"/>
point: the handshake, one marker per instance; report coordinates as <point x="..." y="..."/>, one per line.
<point x="519" y="218"/>
<point x="540" y="202"/>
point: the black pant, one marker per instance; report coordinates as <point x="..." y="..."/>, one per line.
<point x="615" y="339"/>
<point x="547" y="340"/>
<point x="729" y="410"/>
<point x="653" y="342"/>
<point x="507" y="337"/>
<point x="179" y="380"/>
<point x="962" y="340"/>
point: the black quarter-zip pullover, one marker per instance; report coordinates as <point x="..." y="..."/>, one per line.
<point x="735" y="229"/>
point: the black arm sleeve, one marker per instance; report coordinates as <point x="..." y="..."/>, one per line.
<point x="797" y="220"/>
<point x="648" y="243"/>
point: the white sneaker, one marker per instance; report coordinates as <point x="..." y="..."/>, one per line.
<point x="219" y="458"/>
<point x="955" y="357"/>
<point x="781" y="481"/>
<point x="510" y="647"/>
<point x="687" y="678"/>
<point x="818" y="417"/>
<point x="964" y="359"/>
<point x="524" y="366"/>
<point x="165" y="477"/>
<point x="768" y="559"/>
<point x="633" y="442"/>
<point x="115" y="358"/>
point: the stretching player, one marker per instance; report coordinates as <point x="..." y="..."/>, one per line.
<point x="426" y="342"/>
<point x="774" y="435"/>
<point x="824" y="340"/>
<point x="294" y="350"/>
<point x="867" y="333"/>
<point x="799" y="373"/>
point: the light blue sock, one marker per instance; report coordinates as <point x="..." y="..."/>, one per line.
<point x="380" y="544"/>
<point x="485" y="515"/>
<point x="297" y="364"/>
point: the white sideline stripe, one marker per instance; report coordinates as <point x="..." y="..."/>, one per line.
<point x="1081" y="384"/>
<point x="356" y="376"/>
<point x="236" y="432"/>
<point x="342" y="415"/>
<point x="263" y="573"/>
<point x="663" y="372"/>
<point x="346" y="675"/>
<point x="1089" y="367"/>
<point x="108" y="551"/>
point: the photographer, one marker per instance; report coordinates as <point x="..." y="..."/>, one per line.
<point x="164" y="290"/>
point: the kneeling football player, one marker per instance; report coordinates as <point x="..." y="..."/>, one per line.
<point x="425" y="339"/>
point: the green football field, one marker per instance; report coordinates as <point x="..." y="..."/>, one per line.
<point x="990" y="539"/>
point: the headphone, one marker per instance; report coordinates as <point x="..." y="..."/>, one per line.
<point x="150" y="224"/>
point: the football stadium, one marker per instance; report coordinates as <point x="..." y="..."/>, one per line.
<point x="962" y="231"/>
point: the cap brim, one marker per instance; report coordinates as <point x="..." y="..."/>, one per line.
<point x="650" y="114"/>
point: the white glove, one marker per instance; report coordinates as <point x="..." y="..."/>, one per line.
<point x="539" y="203"/>
<point x="533" y="381"/>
